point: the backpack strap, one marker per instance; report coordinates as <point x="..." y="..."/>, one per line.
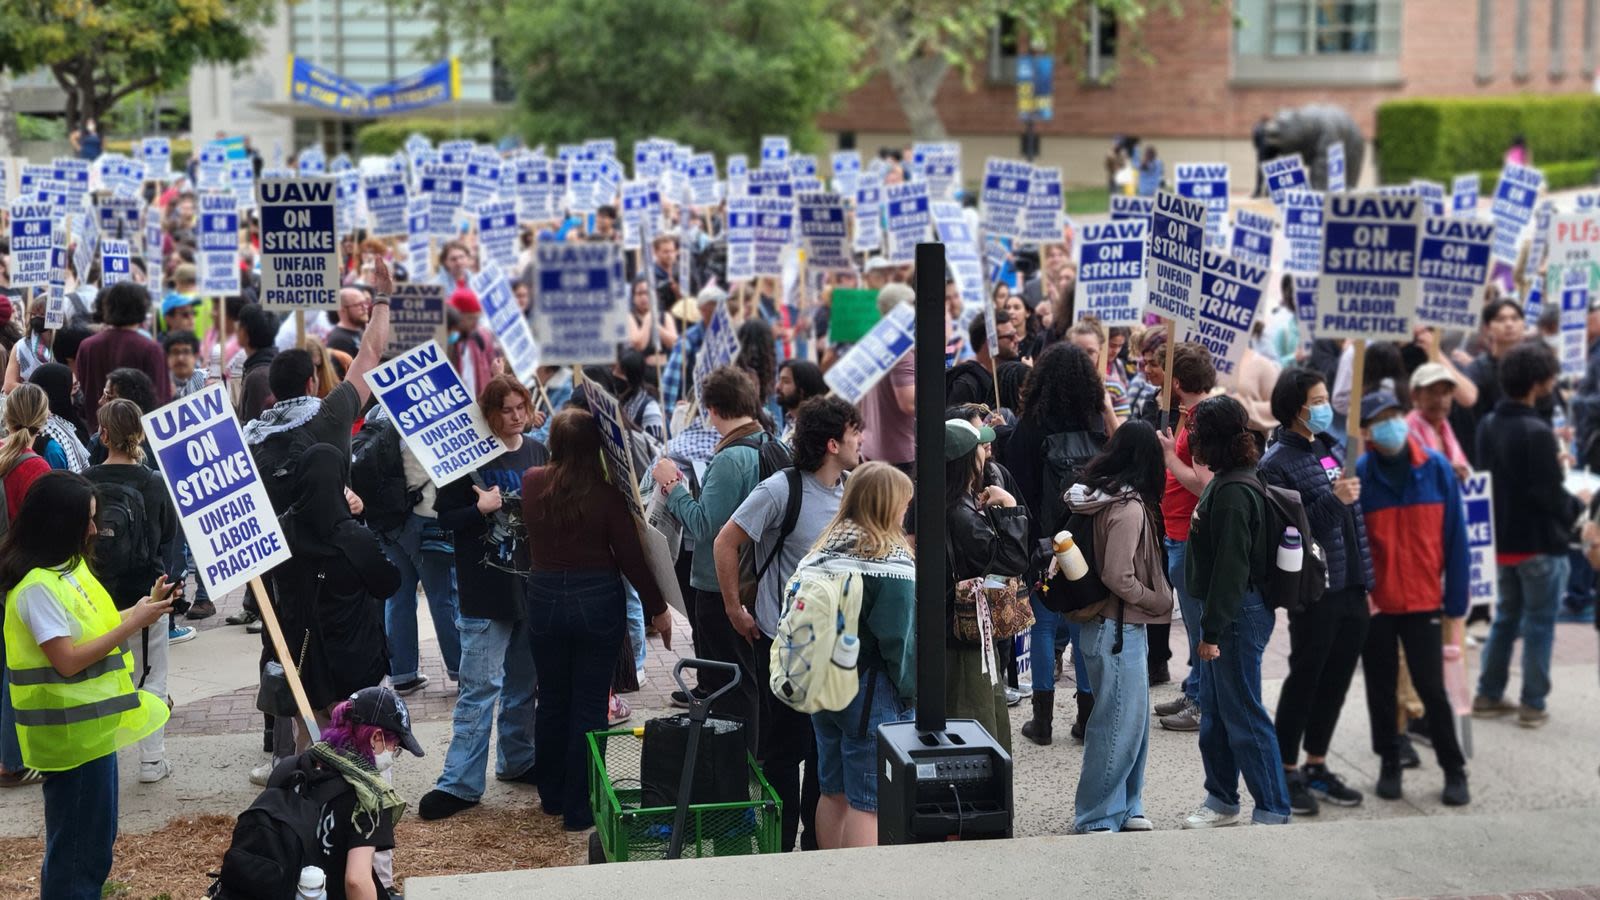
<point x="791" y="517"/>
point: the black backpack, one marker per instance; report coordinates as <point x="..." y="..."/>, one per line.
<point x="277" y="459"/>
<point x="378" y="476"/>
<point x="1065" y="453"/>
<point x="1293" y="591"/>
<point x="277" y="837"/>
<point x="126" y="549"/>
<point x="1064" y="596"/>
<point x="775" y="457"/>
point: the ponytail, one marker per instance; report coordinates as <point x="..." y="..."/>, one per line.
<point x="124" y="431"/>
<point x="27" y="408"/>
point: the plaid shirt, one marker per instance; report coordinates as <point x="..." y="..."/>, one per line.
<point x="672" y="385"/>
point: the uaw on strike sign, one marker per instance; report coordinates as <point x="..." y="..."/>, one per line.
<point x="437" y="417"/>
<point x="1368" y="287"/>
<point x="299" y="249"/>
<point x="221" y="502"/>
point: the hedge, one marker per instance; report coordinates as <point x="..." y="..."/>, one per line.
<point x="1440" y="138"/>
<point x="182" y="149"/>
<point x="388" y="135"/>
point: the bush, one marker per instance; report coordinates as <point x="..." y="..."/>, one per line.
<point x="1578" y="173"/>
<point x="384" y="137"/>
<point x="181" y="151"/>
<point x="1440" y="138"/>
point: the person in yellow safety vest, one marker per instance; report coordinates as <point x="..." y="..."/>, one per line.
<point x="71" y="683"/>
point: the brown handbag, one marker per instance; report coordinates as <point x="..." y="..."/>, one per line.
<point x="1007" y="609"/>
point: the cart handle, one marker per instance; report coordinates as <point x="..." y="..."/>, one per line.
<point x="703" y="706"/>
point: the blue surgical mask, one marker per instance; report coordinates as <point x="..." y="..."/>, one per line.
<point x="1320" y="418"/>
<point x="1390" y="435"/>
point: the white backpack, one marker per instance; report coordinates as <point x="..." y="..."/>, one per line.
<point x="821" y="609"/>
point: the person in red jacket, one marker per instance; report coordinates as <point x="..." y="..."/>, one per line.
<point x="1417" y="529"/>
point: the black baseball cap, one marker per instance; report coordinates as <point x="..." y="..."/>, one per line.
<point x="383" y="708"/>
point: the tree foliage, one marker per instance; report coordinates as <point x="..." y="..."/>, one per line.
<point x="101" y="51"/>
<point x="716" y="74"/>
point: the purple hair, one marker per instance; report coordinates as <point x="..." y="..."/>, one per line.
<point x="352" y="737"/>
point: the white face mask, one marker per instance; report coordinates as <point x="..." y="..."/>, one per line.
<point x="384" y="761"/>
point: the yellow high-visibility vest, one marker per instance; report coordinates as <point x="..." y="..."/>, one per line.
<point x="64" y="722"/>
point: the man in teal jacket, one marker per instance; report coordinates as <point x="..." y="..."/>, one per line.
<point x="732" y="403"/>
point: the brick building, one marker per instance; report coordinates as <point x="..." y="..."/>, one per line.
<point x="1204" y="82"/>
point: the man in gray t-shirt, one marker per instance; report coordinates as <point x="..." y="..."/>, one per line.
<point x="761" y="517"/>
<point x="827" y="443"/>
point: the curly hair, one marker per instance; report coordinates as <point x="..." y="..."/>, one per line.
<point x="1222" y="440"/>
<point x="1062" y="387"/>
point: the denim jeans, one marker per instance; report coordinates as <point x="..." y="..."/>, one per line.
<point x="1236" y="734"/>
<point x="437" y="574"/>
<point x="1177" y="552"/>
<point x="80" y="825"/>
<point x="496" y="664"/>
<point x="1117" y="739"/>
<point x="1530" y="597"/>
<point x="576" y="622"/>
<point x="636" y="635"/>
<point x="1048" y="626"/>
<point x="10" y="748"/>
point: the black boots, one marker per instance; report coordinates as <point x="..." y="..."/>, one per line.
<point x="1085" y="709"/>
<point x="1038" y="729"/>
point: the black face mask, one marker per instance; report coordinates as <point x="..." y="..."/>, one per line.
<point x="36" y="325"/>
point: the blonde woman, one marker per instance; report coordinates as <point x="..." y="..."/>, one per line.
<point x="866" y="536"/>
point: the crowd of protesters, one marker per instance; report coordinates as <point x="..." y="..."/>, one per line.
<point x="542" y="600"/>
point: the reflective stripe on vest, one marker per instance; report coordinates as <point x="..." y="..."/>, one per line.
<point x="49" y="675"/>
<point x="72" y="715"/>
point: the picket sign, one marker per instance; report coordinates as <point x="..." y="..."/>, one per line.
<point x="434" y="413"/>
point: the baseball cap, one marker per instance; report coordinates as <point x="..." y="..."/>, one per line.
<point x="177" y="301"/>
<point x="878" y="263"/>
<point x="1429" y="374"/>
<point x="382" y="707"/>
<point x="960" y="436"/>
<point x="1376" y="404"/>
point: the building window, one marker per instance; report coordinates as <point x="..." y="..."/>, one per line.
<point x="1310" y="42"/>
<point x="1101" y="54"/>
<point x="1004" y="45"/>
<point x="1519" y="54"/>
<point x="1485" y="40"/>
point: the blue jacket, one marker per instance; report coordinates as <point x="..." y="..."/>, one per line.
<point x="1419" y="531"/>
<point x="1298" y="464"/>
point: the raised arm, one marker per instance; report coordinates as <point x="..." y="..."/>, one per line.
<point x="376" y="337"/>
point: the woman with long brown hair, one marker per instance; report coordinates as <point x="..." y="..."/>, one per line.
<point x="582" y="542"/>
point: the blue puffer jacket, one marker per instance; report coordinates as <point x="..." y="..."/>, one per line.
<point x="1310" y="467"/>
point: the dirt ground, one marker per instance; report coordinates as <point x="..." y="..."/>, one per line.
<point x="171" y="864"/>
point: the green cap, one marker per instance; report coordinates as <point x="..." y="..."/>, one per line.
<point x="960" y="436"/>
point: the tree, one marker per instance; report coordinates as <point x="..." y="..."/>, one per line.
<point x="100" y="51"/>
<point x="916" y="43"/>
<point x="715" y="74"/>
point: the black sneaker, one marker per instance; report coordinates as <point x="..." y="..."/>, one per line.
<point x="1408" y="754"/>
<point x="1389" y="779"/>
<point x="242" y="617"/>
<point x="681" y="700"/>
<point x="1330" y="787"/>
<point x="410" y="685"/>
<point x="1455" y="789"/>
<point x="1301" y="801"/>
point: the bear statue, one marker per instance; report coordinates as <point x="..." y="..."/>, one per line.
<point x="1309" y="131"/>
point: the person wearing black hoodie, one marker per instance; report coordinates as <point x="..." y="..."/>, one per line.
<point x="484" y="514"/>
<point x="973" y="380"/>
<point x="1326" y="638"/>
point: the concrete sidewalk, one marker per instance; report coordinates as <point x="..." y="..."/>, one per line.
<point x="1479" y="854"/>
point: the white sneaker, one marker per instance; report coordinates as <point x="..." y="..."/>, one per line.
<point x="152" y="772"/>
<point x="261" y="773"/>
<point x="1206" y="817"/>
<point x="1138" y="823"/>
